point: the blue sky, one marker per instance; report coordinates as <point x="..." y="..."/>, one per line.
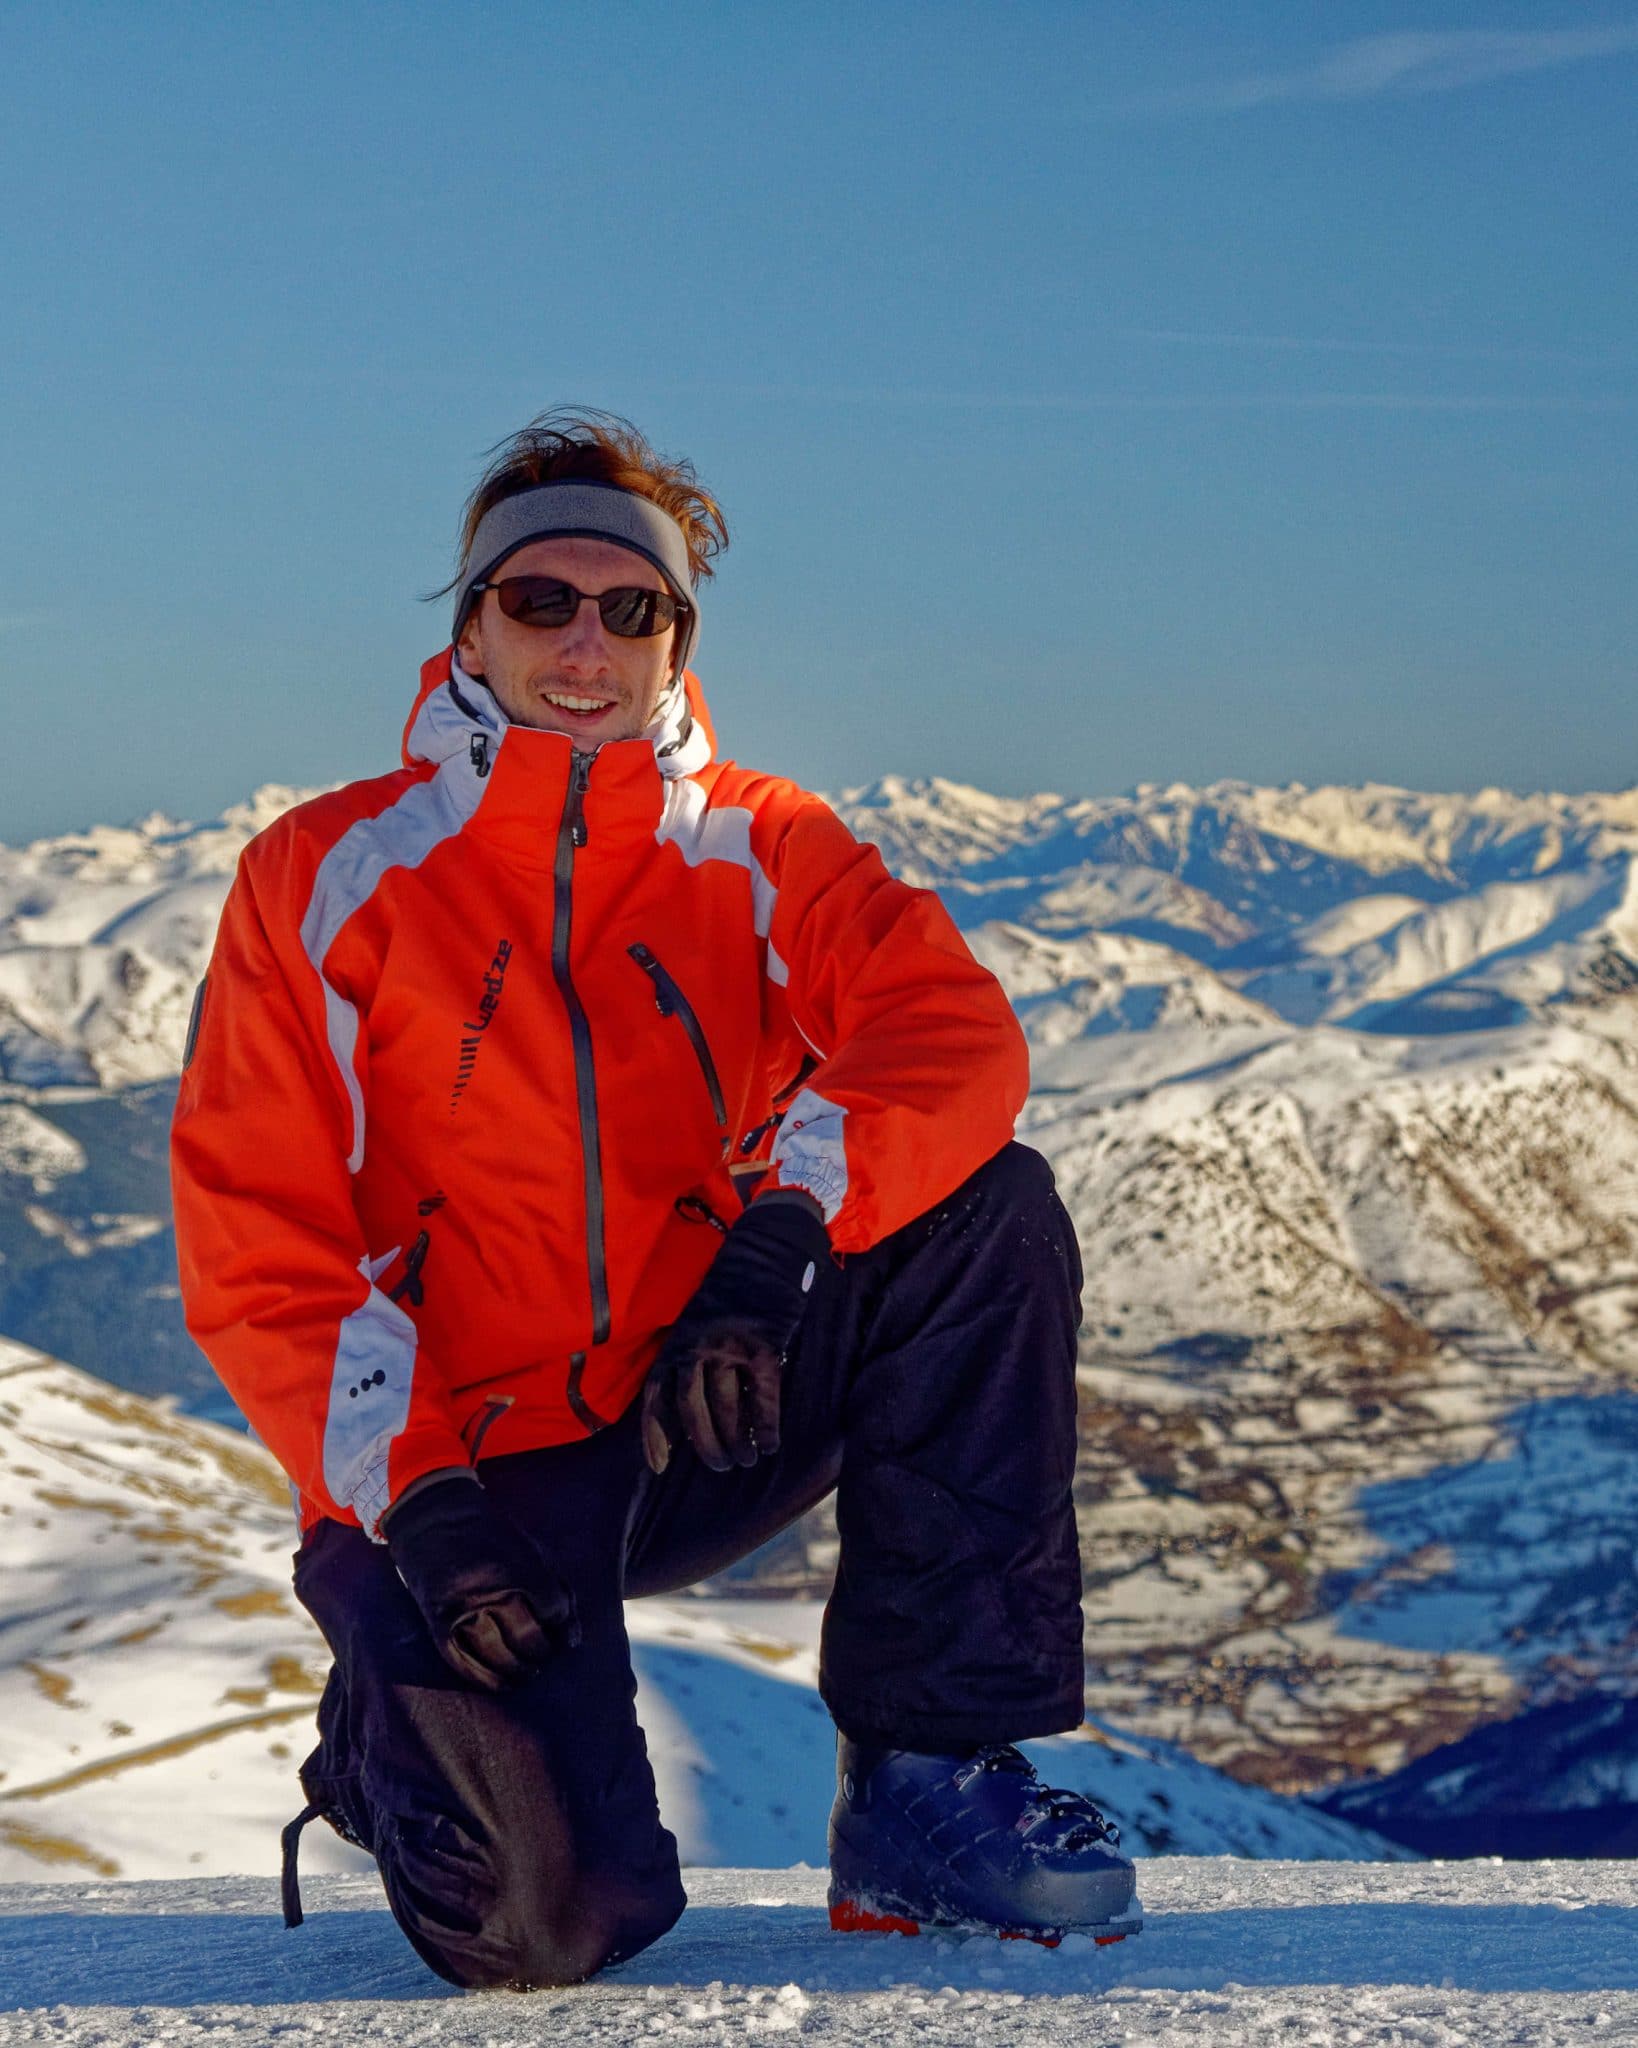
<point x="1097" y="393"/>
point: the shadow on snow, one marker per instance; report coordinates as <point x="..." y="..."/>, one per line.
<point x="191" y="1959"/>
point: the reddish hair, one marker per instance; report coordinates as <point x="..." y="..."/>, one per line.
<point x="595" y="447"/>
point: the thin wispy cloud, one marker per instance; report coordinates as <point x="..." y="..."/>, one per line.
<point x="1162" y="402"/>
<point x="1299" y="344"/>
<point x="1405" y="65"/>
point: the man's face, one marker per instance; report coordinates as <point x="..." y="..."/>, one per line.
<point x="580" y="678"/>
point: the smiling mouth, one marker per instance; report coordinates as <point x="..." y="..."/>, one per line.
<point x="576" y="706"/>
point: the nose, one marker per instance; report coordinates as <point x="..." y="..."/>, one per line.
<point x="584" y="640"/>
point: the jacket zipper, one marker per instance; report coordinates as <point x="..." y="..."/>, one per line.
<point x="670" y="1001"/>
<point x="571" y="835"/>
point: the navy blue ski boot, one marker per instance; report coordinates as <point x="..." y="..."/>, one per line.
<point x="975" y="1843"/>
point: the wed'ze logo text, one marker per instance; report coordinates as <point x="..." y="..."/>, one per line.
<point x="473" y="1029"/>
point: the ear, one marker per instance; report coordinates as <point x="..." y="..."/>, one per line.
<point x="470" y="644"/>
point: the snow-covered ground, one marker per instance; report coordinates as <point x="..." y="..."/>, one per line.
<point x="1471" y="1955"/>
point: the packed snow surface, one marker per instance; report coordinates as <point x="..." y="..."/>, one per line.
<point x="1435" y="1955"/>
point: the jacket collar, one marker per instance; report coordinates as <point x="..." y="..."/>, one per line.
<point x="455" y="718"/>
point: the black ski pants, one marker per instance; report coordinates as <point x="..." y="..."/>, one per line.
<point x="932" y="1386"/>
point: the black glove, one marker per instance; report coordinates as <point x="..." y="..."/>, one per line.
<point x="497" y="1610"/>
<point x="716" y="1380"/>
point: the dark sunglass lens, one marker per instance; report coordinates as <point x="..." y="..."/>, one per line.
<point x="537" y="600"/>
<point x="636" y="614"/>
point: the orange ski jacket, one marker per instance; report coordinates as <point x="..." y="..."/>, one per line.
<point x="491" y="1048"/>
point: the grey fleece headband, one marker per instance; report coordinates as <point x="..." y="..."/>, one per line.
<point x="584" y="511"/>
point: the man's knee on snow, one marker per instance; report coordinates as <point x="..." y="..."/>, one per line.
<point x="489" y="1922"/>
<point x="564" y="1941"/>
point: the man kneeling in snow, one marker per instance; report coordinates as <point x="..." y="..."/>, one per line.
<point x="587" y="1157"/>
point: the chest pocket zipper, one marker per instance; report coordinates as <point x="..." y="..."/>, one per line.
<point x="670" y="1001"/>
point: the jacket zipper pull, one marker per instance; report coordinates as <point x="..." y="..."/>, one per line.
<point x="651" y="967"/>
<point x="582" y="776"/>
<point x="478" y="754"/>
<point x="411" y="1283"/>
<point x="695" y="1209"/>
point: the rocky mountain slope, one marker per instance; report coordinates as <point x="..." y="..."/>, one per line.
<point x="1342" y="1088"/>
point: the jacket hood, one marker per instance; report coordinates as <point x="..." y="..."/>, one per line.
<point x="450" y="709"/>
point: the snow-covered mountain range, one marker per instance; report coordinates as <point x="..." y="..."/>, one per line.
<point x="1303" y="905"/>
<point x="1341" y="1086"/>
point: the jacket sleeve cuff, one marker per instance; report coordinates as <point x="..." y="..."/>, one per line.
<point x="417" y="1454"/>
<point x="809" y="1152"/>
<point x="436" y="1477"/>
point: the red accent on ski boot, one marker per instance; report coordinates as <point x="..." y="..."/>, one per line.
<point x="848" y="1917"/>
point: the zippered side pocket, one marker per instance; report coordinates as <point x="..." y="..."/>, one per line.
<point x="670" y="1001"/>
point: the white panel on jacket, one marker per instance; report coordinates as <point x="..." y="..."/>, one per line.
<point x="369" y="1402"/>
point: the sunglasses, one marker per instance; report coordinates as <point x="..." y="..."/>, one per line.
<point x="629" y="611"/>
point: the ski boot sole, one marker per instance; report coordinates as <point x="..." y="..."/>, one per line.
<point x="852" y="1916"/>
